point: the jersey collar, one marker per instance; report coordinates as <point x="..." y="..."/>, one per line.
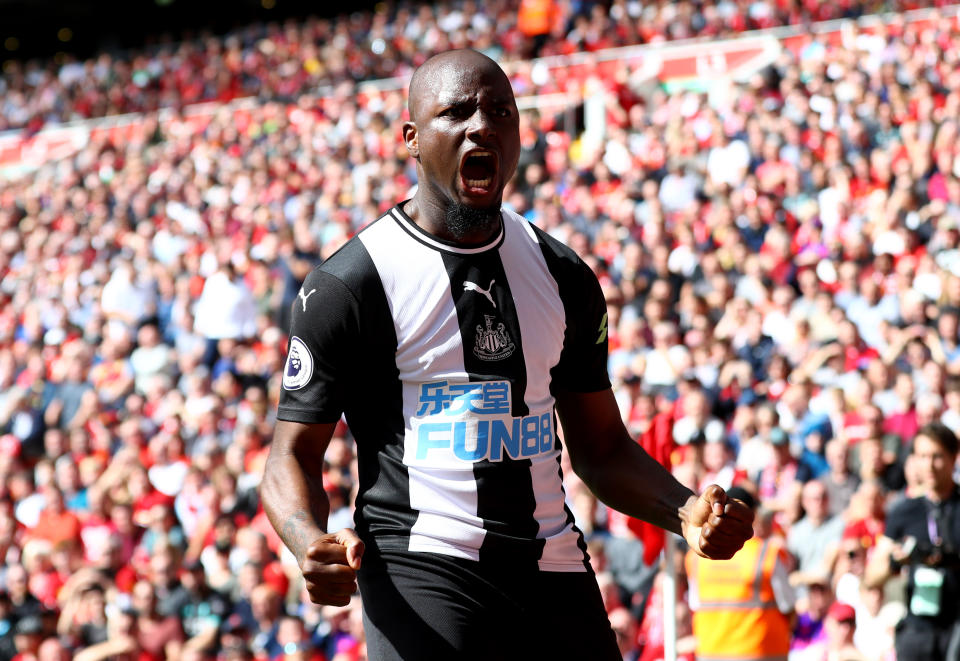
<point x="424" y="237"/>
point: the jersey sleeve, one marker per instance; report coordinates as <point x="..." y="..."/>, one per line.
<point x="324" y="329"/>
<point x="583" y="362"/>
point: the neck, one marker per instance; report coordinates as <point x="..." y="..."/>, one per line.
<point x="453" y="222"/>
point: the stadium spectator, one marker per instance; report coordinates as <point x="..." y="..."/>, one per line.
<point x="809" y="631"/>
<point x="811" y="537"/>
<point x="158" y="636"/>
<point x="840" y="626"/>
<point x="920" y="534"/>
<point x="742" y="606"/>
<point x="284" y="61"/>
<point x="840" y="483"/>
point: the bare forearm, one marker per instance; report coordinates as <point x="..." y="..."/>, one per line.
<point x="295" y="502"/>
<point x="65" y="621"/>
<point x="631" y="481"/>
<point x="199" y="536"/>
<point x="937" y="353"/>
<point x="876" y="576"/>
<point x="614" y="466"/>
<point x="203" y="640"/>
<point x="106" y="649"/>
<point x="878" y="570"/>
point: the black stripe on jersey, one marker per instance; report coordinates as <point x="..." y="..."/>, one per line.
<point x="583" y="363"/>
<point x="490" y="333"/>
<point x="566" y="269"/>
<point x="374" y="408"/>
<point x="489" y="328"/>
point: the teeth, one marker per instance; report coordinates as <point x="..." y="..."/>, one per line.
<point x="479" y="183"/>
<point x="481" y="153"/>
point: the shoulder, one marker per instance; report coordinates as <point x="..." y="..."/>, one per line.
<point x="551" y="247"/>
<point x="908" y="507"/>
<point x="569" y="271"/>
<point x="905" y="513"/>
<point x="350" y="268"/>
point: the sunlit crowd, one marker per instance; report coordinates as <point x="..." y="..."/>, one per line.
<point x="780" y="259"/>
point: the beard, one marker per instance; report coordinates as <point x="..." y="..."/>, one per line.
<point x="463" y="221"/>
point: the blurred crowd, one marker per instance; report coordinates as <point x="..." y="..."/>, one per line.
<point x="781" y="261"/>
<point x="279" y="62"/>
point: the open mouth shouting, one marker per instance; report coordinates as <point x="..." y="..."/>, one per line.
<point x="478" y="171"/>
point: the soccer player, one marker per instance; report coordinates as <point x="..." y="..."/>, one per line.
<point x="448" y="332"/>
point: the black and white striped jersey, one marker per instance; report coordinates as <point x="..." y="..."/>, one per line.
<point x="444" y="360"/>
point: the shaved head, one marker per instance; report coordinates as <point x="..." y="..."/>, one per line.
<point x="443" y="69"/>
<point x="464" y="134"/>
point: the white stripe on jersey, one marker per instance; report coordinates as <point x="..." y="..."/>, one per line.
<point x="445" y="498"/>
<point x="428" y="343"/>
<point x="538" y="304"/>
<point x="561" y="551"/>
<point x="428" y="333"/>
<point x="519" y="252"/>
<point x="443" y="489"/>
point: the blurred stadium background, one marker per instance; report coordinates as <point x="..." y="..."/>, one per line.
<point x="767" y="189"/>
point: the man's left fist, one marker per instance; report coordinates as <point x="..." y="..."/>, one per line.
<point x="715" y="526"/>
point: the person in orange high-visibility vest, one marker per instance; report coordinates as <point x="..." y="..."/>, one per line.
<point x="742" y="606"/>
<point x="535" y="19"/>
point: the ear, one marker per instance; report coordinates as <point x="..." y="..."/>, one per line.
<point x="410" y="138"/>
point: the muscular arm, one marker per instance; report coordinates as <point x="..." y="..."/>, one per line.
<point x="292" y="489"/>
<point x="617" y="470"/>
<point x="625" y="477"/>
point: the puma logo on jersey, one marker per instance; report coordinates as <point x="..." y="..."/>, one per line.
<point x="305" y="297"/>
<point x="602" y="329"/>
<point x="472" y="286"/>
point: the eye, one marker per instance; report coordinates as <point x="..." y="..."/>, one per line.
<point x="459" y="110"/>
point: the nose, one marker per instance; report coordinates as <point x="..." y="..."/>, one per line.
<point x="480" y="127"/>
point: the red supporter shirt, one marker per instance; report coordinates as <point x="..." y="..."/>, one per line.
<point x="868" y="531"/>
<point x="854" y="427"/>
<point x="45" y="586"/>
<point x="903" y="425"/>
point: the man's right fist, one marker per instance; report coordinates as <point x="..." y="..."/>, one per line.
<point x="330" y="567"/>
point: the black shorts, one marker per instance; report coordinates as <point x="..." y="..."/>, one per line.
<point x="431" y="606"/>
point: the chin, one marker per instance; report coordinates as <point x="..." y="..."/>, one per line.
<point x="465" y="219"/>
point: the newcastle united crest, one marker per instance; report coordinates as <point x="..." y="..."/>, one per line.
<point x="493" y="343"/>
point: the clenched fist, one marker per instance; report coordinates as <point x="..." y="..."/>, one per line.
<point x="330" y="567"/>
<point x="715" y="526"/>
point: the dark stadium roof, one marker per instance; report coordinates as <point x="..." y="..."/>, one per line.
<point x="42" y="28"/>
